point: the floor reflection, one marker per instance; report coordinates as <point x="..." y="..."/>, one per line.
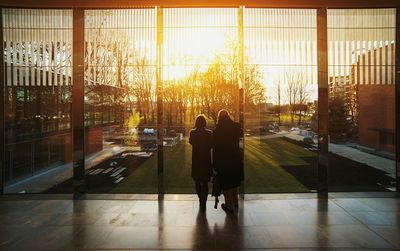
<point x="322" y="220"/>
<point x="202" y="235"/>
<point x="291" y="222"/>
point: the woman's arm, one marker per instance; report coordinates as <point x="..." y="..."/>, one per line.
<point x="191" y="138"/>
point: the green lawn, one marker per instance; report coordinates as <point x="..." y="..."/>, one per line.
<point x="263" y="169"/>
<point x="263" y="166"/>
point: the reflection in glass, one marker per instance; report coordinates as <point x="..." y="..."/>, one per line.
<point x="280" y="125"/>
<point x="201" y="73"/>
<point x="38" y="70"/>
<point x="361" y="95"/>
<point x="120" y="101"/>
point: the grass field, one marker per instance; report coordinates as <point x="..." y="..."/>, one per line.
<point x="264" y="172"/>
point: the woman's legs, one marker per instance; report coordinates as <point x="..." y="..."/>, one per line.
<point x="198" y="188"/>
<point x="202" y="192"/>
<point x="229" y="197"/>
<point x="236" y="197"/>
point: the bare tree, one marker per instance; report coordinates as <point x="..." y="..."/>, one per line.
<point x="278" y="99"/>
<point x="191" y="87"/>
<point x="170" y="101"/>
<point x="304" y="96"/>
<point x="143" y="89"/>
<point x="291" y="92"/>
<point x="253" y="88"/>
<point x="297" y="93"/>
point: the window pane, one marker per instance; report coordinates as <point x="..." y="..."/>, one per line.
<point x="280" y="100"/>
<point x="362" y="99"/>
<point x="200" y="76"/>
<point x="38" y="77"/>
<point x="120" y="101"/>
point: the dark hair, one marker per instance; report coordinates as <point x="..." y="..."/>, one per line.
<point x="200" y="122"/>
<point x="223" y="116"/>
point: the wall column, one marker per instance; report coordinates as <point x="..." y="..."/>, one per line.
<point x="2" y="107"/>
<point x="78" y="84"/>
<point x="159" y="90"/>
<point x="323" y="104"/>
<point x="241" y="81"/>
<point x="397" y="101"/>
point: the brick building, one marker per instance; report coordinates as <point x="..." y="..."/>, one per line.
<point x="374" y="74"/>
<point x="38" y="118"/>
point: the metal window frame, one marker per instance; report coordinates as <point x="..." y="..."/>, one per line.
<point x="105" y="4"/>
<point x="323" y="106"/>
<point x="78" y="75"/>
<point x="160" y="97"/>
<point x="241" y="83"/>
<point x="2" y="108"/>
<point x="397" y="99"/>
<point x="78" y="107"/>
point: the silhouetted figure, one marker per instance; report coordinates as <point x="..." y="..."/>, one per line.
<point x="201" y="141"/>
<point x="227" y="158"/>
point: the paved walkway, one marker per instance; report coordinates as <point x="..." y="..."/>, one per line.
<point x="280" y="222"/>
<point x="375" y="161"/>
<point x="43" y="181"/>
<point x="383" y="164"/>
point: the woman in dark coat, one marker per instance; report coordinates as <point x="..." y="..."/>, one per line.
<point x="227" y="158"/>
<point x="201" y="141"/>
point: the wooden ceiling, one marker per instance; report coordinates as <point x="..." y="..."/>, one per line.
<point x="200" y="3"/>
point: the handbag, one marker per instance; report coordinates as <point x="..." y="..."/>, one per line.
<point x="216" y="189"/>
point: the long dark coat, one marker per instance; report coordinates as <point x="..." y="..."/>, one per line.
<point x="227" y="157"/>
<point x="201" y="141"/>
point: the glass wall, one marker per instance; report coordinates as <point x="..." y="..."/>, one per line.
<point x="203" y="61"/>
<point x="120" y="101"/>
<point x="38" y="80"/>
<point x="361" y="54"/>
<point x="200" y="76"/>
<point x="280" y="100"/>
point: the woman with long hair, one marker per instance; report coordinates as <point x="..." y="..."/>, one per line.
<point x="201" y="141"/>
<point x="227" y="158"/>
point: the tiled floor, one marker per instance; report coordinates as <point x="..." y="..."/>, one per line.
<point x="276" y="222"/>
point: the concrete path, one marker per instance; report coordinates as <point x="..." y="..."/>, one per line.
<point x="47" y="179"/>
<point x="375" y="161"/>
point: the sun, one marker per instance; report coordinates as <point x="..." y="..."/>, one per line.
<point x="195" y="47"/>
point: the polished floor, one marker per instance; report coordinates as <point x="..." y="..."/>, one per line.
<point x="287" y="221"/>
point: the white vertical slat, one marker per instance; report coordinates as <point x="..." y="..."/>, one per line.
<point x="369" y="61"/>
<point x="8" y="39"/>
<point x="25" y="44"/>
<point x="15" y="44"/>
<point x="379" y="63"/>
<point x="17" y="52"/>
<point x="346" y="61"/>
<point x="43" y="40"/>
<point x="393" y="63"/>
<point x="36" y="21"/>
<point x="55" y="40"/>
<point x="383" y="59"/>
<point x="389" y="61"/>
<point x="32" y="51"/>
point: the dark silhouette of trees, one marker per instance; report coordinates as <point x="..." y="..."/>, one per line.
<point x="297" y="94"/>
<point x="113" y="65"/>
<point x="254" y="90"/>
<point x="338" y="123"/>
<point x="278" y="96"/>
<point x="143" y="90"/>
<point x="209" y="89"/>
